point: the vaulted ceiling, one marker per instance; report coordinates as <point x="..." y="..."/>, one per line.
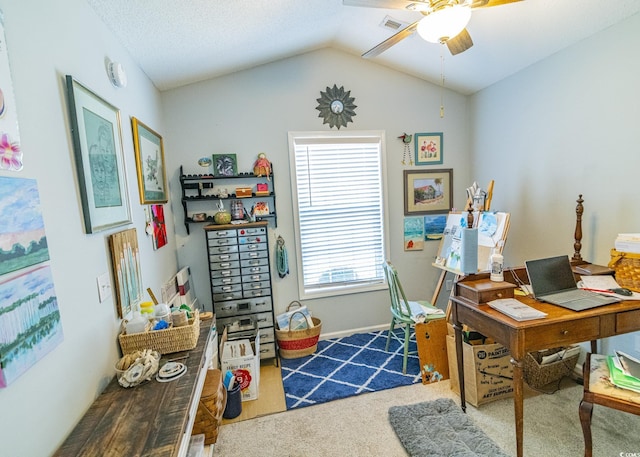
<point x="178" y="42"/>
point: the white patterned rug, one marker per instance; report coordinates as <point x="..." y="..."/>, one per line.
<point x="343" y="367"/>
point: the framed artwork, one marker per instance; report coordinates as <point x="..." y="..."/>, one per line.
<point x="428" y="192"/>
<point x="149" y="150"/>
<point x="413" y="234"/>
<point x="429" y="148"/>
<point x="159" y="226"/>
<point x="225" y="165"/>
<point x="99" y="157"/>
<point x="125" y="260"/>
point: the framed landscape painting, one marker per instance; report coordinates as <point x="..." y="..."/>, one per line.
<point x="428" y="192"/>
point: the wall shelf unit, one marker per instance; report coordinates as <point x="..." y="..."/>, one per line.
<point x="200" y="194"/>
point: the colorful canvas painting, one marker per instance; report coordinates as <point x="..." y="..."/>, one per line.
<point x="11" y="158"/>
<point x="159" y="226"/>
<point x="434" y="227"/>
<point x="125" y="257"/>
<point x="413" y="234"/>
<point x="30" y="324"/>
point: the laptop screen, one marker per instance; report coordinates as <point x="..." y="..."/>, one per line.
<point x="550" y="275"/>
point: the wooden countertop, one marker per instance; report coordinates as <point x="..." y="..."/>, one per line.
<point x="146" y="420"/>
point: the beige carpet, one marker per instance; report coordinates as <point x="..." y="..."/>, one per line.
<point x="359" y="426"/>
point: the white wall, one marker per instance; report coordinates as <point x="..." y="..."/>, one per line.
<point x="45" y="41"/>
<point x="251" y="112"/>
<point x="563" y="127"/>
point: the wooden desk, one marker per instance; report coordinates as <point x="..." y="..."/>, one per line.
<point x="152" y="419"/>
<point x="560" y="327"/>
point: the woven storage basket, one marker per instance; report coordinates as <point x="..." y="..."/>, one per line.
<point x="299" y="343"/>
<point x="627" y="268"/>
<point x="212" y="403"/>
<point x="173" y="339"/>
<point x="537" y="375"/>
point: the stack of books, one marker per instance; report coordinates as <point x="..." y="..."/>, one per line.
<point x="624" y="371"/>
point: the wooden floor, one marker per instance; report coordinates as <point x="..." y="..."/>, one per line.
<point x="270" y="395"/>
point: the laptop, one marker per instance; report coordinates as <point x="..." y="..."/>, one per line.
<point x="552" y="281"/>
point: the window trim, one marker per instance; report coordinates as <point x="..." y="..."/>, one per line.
<point x="316" y="137"/>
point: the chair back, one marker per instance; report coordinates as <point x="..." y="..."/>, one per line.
<point x="399" y="304"/>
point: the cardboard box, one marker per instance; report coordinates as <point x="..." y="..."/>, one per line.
<point x="242" y="358"/>
<point x="488" y="373"/>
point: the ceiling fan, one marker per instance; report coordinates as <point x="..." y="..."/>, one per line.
<point x="444" y="21"/>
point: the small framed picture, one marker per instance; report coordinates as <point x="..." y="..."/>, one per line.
<point x="225" y="165"/>
<point x="428" y="148"/>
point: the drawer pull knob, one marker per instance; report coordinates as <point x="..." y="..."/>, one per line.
<point x="499" y="294"/>
<point x="565" y="332"/>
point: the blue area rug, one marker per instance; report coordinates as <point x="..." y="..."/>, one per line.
<point x="344" y="367"/>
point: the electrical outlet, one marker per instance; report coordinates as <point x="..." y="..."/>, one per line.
<point x="449" y="284"/>
<point x="104" y="287"/>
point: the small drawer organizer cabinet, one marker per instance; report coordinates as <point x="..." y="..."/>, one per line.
<point x="239" y="270"/>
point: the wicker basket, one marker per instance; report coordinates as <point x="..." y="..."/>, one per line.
<point x="173" y="339"/>
<point x="627" y="268"/>
<point x="212" y="403"/>
<point x="537" y="375"/>
<point x="299" y="343"/>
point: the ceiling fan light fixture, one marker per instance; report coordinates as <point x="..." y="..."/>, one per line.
<point x="445" y="23"/>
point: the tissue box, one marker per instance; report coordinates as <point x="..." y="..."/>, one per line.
<point x="242" y="358"/>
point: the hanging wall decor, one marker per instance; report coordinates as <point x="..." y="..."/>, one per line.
<point x="336" y="107"/>
<point x="97" y="145"/>
<point x="30" y="324"/>
<point x="149" y="150"/>
<point x="413" y="234"/>
<point x="125" y="259"/>
<point x="406" y="154"/>
<point x="10" y="151"/>
<point x="429" y="148"/>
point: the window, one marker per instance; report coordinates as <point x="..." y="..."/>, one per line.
<point x="339" y="211"/>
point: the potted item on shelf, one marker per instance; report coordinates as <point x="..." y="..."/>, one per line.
<point x="222" y="216"/>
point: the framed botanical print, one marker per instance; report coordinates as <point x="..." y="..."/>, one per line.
<point x="428" y="192"/>
<point x="149" y="150"/>
<point x="97" y="146"/>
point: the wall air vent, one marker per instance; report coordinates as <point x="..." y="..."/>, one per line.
<point x="393" y="24"/>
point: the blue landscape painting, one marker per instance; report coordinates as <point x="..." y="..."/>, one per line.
<point x="30" y="324"/>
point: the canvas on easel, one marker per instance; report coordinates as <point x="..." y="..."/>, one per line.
<point x="492" y="230"/>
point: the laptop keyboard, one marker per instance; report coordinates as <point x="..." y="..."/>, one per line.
<point x="572" y="295"/>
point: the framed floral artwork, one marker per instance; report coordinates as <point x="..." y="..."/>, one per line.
<point x="99" y="157"/>
<point x="149" y="150"/>
<point x="429" y="148"/>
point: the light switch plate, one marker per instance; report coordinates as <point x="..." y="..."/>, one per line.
<point x="104" y="287"/>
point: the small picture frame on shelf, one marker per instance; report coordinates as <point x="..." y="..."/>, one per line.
<point x="262" y="189"/>
<point x="225" y="165"/>
<point x="199" y="217"/>
<point x="261" y="209"/>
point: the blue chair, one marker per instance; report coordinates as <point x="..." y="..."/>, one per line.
<point x="405" y="313"/>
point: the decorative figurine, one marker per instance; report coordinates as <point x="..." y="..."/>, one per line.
<point x="406" y="139"/>
<point x="262" y="167"/>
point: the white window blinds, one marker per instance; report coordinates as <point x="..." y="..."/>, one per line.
<point x="339" y="206"/>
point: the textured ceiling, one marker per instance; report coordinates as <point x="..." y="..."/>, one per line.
<point x="178" y="42"/>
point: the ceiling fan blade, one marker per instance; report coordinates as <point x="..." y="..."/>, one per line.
<point x="490" y="3"/>
<point x="393" y="39"/>
<point x="459" y="43"/>
<point x="389" y="4"/>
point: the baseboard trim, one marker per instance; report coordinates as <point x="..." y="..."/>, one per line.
<point x="343" y="333"/>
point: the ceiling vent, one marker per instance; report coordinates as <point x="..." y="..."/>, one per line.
<point x="393" y="24"/>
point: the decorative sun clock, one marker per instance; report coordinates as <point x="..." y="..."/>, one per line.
<point x="336" y="107"/>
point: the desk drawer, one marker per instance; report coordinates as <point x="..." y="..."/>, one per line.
<point x="627" y="321"/>
<point x="566" y="333"/>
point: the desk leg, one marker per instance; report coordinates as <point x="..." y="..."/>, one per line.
<point x="518" y="403"/>
<point x="459" y="358"/>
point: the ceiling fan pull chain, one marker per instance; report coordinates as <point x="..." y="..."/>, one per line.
<point x="441" y="82"/>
